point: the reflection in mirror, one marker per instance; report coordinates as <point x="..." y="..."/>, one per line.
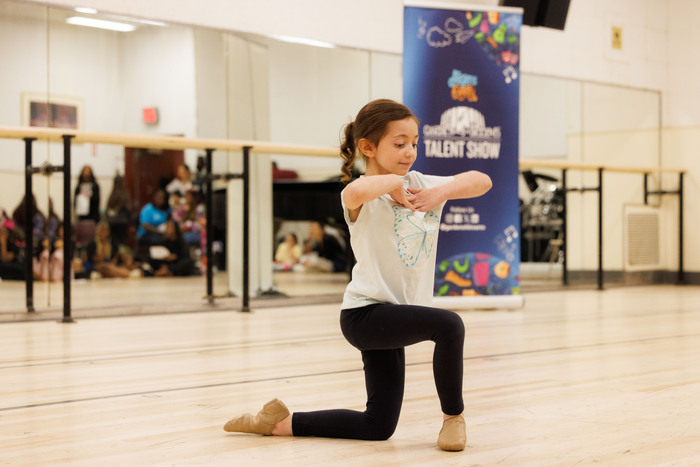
<point x="586" y="123"/>
<point x="171" y="79"/>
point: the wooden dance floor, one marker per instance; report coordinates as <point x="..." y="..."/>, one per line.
<point x="577" y="377"/>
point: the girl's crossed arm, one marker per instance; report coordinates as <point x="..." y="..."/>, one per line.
<point x="365" y="189"/>
<point x="464" y="185"/>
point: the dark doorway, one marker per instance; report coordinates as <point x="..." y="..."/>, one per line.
<point x="146" y="170"/>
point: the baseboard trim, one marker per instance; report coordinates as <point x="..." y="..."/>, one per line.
<point x="629" y="278"/>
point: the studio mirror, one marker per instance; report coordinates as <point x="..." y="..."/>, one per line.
<point x="169" y="79"/>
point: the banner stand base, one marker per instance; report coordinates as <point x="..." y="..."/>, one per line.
<point x="482" y="302"/>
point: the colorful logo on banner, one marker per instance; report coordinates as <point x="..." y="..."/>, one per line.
<point x="461" y="80"/>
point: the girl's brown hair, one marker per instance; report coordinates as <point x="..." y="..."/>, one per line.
<point x="370" y="124"/>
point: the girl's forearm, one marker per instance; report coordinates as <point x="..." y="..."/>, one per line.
<point x="368" y="188"/>
<point x="467" y="185"/>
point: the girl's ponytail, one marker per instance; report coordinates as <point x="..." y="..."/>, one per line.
<point x="348" y="152"/>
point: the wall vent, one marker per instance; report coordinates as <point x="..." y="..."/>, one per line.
<point x="641" y="238"/>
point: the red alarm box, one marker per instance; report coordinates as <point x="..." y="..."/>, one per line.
<point x="150" y="115"/>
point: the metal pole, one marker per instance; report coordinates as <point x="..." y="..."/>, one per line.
<point x="246" y="227"/>
<point x="209" y="230"/>
<point x="564" y="271"/>
<point x="646" y="188"/>
<point x="681" y="272"/>
<point x="67" y="230"/>
<point x="29" y="222"/>
<point x="600" y="228"/>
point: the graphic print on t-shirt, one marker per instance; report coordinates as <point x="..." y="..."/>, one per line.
<point x="416" y="232"/>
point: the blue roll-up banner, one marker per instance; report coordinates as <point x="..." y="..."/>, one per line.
<point x="461" y="79"/>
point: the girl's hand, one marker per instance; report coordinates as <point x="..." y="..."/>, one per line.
<point x="403" y="197"/>
<point x="426" y="199"/>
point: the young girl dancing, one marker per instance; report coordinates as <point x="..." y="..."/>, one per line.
<point x="393" y="215"/>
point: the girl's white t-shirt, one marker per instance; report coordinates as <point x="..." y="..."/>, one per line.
<point x="395" y="249"/>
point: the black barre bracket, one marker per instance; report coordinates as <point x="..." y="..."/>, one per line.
<point x="675" y="192"/>
<point x="246" y="224"/>
<point x="679" y="192"/>
<point x="226" y="177"/>
<point x="29" y="245"/>
<point x="582" y="189"/>
<point x="67" y="230"/>
<point x="45" y="169"/>
<point x="48" y="169"/>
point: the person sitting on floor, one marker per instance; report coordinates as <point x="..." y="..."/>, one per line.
<point x="11" y="267"/>
<point x="106" y="258"/>
<point x="190" y="217"/>
<point x="34" y="228"/>
<point x="48" y="264"/>
<point x="287" y="254"/>
<point x="118" y="213"/>
<point x="322" y="251"/>
<point x="152" y="220"/>
<point x="179" y="185"/>
<point x="172" y="257"/>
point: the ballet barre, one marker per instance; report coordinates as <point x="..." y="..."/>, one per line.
<point x="68" y="137"/>
<point x="566" y="166"/>
<point x="246" y="147"/>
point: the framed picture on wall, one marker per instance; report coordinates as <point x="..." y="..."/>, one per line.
<point x="40" y="109"/>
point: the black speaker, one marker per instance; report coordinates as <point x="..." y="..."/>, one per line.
<point x="546" y="13"/>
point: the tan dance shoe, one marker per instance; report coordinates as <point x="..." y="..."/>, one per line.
<point x="263" y="423"/>
<point x="453" y="436"/>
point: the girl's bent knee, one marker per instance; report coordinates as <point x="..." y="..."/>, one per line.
<point x="454" y="325"/>
<point x="380" y="427"/>
<point x="381" y="432"/>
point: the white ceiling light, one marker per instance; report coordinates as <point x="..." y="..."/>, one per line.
<point x="100" y="24"/>
<point x="150" y="22"/>
<point x="89" y="11"/>
<point x="303" y="41"/>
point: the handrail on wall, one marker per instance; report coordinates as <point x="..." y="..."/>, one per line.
<point x="558" y="164"/>
<point x="163" y="142"/>
<point x="565" y="166"/>
<point x="68" y="137"/>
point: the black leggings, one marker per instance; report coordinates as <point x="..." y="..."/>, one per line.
<point x="381" y="331"/>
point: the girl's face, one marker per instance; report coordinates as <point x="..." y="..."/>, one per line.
<point x="396" y="151"/>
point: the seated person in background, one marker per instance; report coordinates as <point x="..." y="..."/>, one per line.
<point x="172" y="257"/>
<point x="191" y="219"/>
<point x="104" y="256"/>
<point x="152" y="220"/>
<point x="118" y="213"/>
<point x="11" y="267"/>
<point x="34" y="228"/>
<point x="322" y="251"/>
<point x="175" y="201"/>
<point x="53" y="223"/>
<point x="288" y="253"/>
<point x="181" y="184"/>
<point x="48" y="265"/>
